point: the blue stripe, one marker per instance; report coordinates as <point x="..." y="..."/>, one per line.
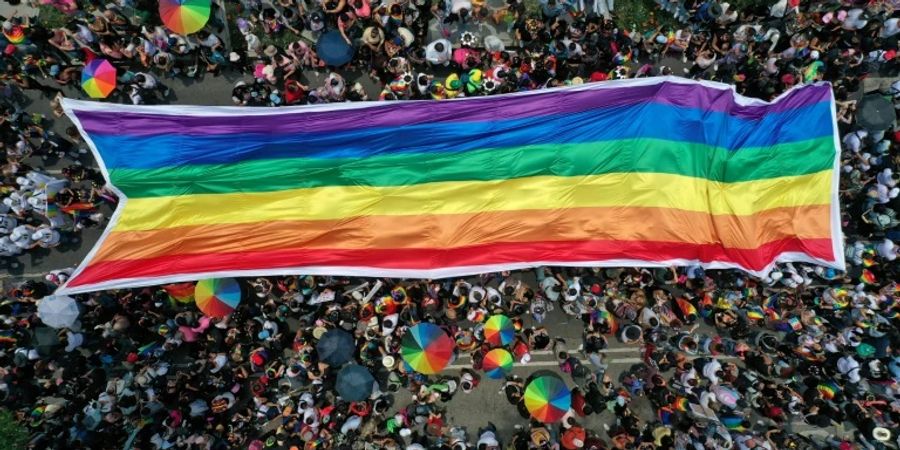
<point x="649" y="120"/>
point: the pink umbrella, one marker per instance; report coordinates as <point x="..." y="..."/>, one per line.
<point x="726" y="395"/>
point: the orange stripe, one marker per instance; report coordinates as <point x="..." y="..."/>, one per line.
<point x="455" y="230"/>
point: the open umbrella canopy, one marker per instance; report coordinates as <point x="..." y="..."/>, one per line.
<point x="98" y="78"/>
<point x="727" y="396"/>
<point x="828" y="389"/>
<point x="333" y="49"/>
<point x="58" y="311"/>
<point x="354" y="383"/>
<point x="875" y="113"/>
<point x="336" y="347"/>
<point x="184" y="16"/>
<point x="217" y="297"/>
<point x="497" y="363"/>
<point x="427" y="348"/>
<point x="180" y="292"/>
<point x="499" y="330"/>
<point x="547" y="398"/>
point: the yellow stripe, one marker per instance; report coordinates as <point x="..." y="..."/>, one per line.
<point x="544" y="192"/>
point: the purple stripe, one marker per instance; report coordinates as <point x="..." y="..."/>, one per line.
<point x="393" y="114"/>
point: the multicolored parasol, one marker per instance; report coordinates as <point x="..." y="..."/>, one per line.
<point x="726" y="395"/>
<point x="217" y="297"/>
<point x="868" y="277"/>
<point x="499" y="330"/>
<point x="604" y="315"/>
<point x="427" y="348"/>
<point x="184" y="16"/>
<point x="98" y="79"/>
<point x="828" y="389"/>
<point x="15" y="35"/>
<point x="734" y="423"/>
<point x="688" y="310"/>
<point x="180" y="292"/>
<point x="497" y="363"/>
<point x="546" y="397"/>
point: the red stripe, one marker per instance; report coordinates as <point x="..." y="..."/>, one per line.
<point x="425" y="259"/>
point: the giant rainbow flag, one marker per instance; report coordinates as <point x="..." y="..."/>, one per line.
<point x="646" y="172"/>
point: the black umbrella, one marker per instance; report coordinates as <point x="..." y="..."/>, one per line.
<point x="336" y="347"/>
<point x="875" y="113"/>
<point x="354" y="383"/>
<point x="46" y="339"/>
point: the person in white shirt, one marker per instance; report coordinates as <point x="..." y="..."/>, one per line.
<point x="17" y="202"/>
<point x="46" y="237"/>
<point x="8" y="247"/>
<point x="712" y="371"/>
<point x="439" y="52"/>
<point x="853" y="141"/>
<point x="887" y="249"/>
<point x="887" y="178"/>
<point x="7" y="223"/>
<point x="21" y="236"/>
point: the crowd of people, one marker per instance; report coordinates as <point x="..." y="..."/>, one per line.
<point x="727" y="360"/>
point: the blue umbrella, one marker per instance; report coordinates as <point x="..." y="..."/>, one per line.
<point x="333" y="49"/>
<point x="354" y="383"/>
<point x="336" y="347"/>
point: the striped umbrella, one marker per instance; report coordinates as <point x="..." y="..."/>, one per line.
<point x="499" y="330"/>
<point x="828" y="389"/>
<point x="217" y="297"/>
<point x="427" y="348"/>
<point x="547" y="398"/>
<point x="184" y="16"/>
<point x="98" y="78"/>
<point x="497" y="363"/>
<point x="180" y="292"/>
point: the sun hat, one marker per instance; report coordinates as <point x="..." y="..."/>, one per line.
<point x="467" y="39"/>
<point x="407" y="36"/>
<point x="881" y="434"/>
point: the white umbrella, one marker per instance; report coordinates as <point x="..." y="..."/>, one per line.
<point x="58" y="311"/>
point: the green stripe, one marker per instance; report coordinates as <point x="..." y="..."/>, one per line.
<point x="631" y="155"/>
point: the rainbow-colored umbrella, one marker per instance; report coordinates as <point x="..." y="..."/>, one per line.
<point x="547" y="398"/>
<point x="15" y="35"/>
<point x="184" y="16"/>
<point x="98" y="79"/>
<point x="180" y="292"/>
<point x="499" y="330"/>
<point x="497" y="363"/>
<point x="427" y="348"/>
<point x="217" y="297"/>
<point x="828" y="389"/>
